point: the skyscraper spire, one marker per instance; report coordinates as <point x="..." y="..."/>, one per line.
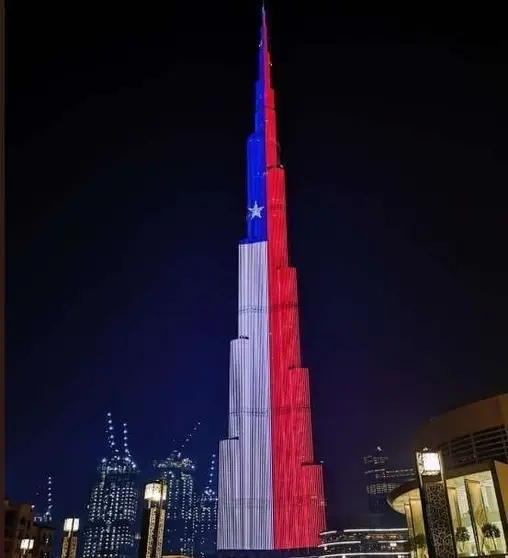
<point x="126" y="440"/>
<point x="111" y="437"/>
<point x="45" y="494"/>
<point x="264" y="53"/>
<point x="270" y="488"/>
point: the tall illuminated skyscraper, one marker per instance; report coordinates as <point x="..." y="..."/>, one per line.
<point x="179" y="473"/>
<point x="270" y="488"/>
<point x="113" y="505"/>
<point x="206" y="515"/>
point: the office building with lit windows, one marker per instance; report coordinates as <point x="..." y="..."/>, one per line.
<point x="113" y="505"/>
<point x="380" y="481"/>
<point x="179" y="473"/>
<point x="23" y="536"/>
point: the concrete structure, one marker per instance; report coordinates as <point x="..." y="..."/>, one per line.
<point x="458" y="506"/>
<point x="23" y="537"/>
<point x="469" y="434"/>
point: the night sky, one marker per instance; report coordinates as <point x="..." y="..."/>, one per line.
<point x="126" y="201"/>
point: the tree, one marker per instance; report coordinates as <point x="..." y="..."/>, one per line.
<point x="492" y="532"/>
<point x="462" y="536"/>
<point x="417" y="542"/>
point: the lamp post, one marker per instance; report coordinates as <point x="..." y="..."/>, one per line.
<point x="153" y="518"/>
<point x="70" y="541"/>
<point x="435" y="505"/>
<point x="27" y="545"/>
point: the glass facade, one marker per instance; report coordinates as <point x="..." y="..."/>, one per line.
<point x="475" y="515"/>
<point x="179" y="473"/>
<point x="477" y="508"/>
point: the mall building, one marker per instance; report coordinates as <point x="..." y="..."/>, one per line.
<point x="363" y="543"/>
<point x="458" y="504"/>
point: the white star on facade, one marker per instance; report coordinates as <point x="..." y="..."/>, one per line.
<point x="255" y="210"/>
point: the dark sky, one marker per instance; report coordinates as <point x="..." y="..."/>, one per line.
<point x="126" y="201"/>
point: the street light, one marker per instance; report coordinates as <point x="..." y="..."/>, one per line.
<point x="156" y="492"/>
<point x="71" y="525"/>
<point x="429" y="463"/>
<point x="26" y="546"/>
<point x="70" y="541"/>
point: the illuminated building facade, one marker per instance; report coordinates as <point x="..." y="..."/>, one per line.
<point x="380" y="481"/>
<point x="270" y="487"/>
<point x="153" y="518"/>
<point x="362" y="543"/>
<point x="206" y="516"/>
<point x="469" y="434"/>
<point x="458" y="505"/>
<point x="179" y="473"/>
<point x="113" y="505"/>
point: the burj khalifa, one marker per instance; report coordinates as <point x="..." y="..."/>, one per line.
<point x="270" y="487"/>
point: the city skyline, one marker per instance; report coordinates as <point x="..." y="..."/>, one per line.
<point x="126" y="203"/>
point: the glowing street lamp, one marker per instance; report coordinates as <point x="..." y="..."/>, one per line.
<point x="429" y="463"/>
<point x="27" y="545"/>
<point x="156" y="492"/>
<point x="71" y="525"/>
<point x="70" y="541"/>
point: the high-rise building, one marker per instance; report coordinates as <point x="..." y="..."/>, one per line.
<point x="270" y="486"/>
<point x="23" y="537"/>
<point x="70" y="538"/>
<point x="206" y="516"/>
<point x="179" y="473"/>
<point x="380" y="481"/>
<point x="113" y="505"/>
<point x="153" y="518"/>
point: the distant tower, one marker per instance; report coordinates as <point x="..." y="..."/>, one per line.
<point x="380" y="481"/>
<point x="375" y="479"/>
<point x="44" y="505"/>
<point x="179" y="472"/>
<point x="206" y="515"/>
<point x="113" y="505"/>
<point x="153" y="518"/>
